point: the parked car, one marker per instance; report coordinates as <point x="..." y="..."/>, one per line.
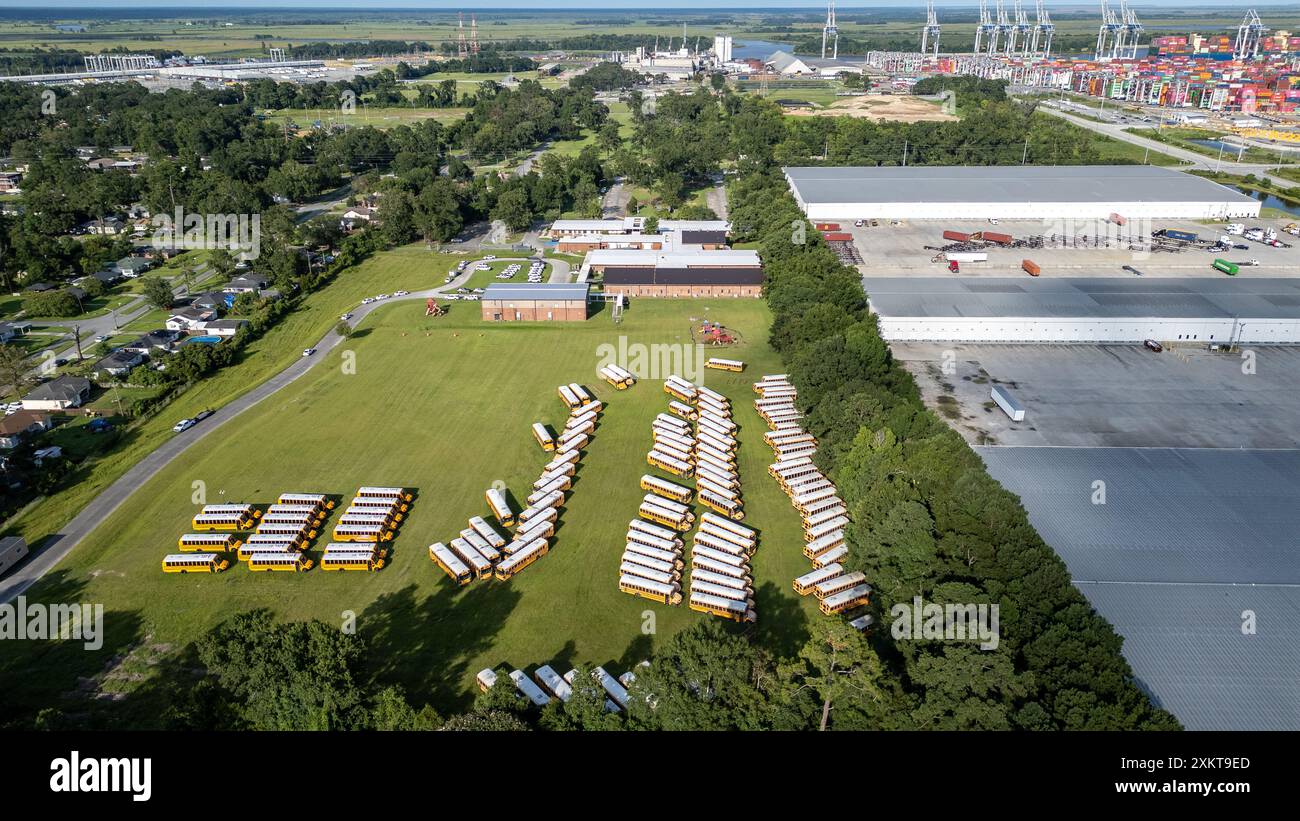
<point x="203" y="414"/>
<point x="183" y="425"/>
<point x="1152" y="345"/>
<point x="101" y="338"/>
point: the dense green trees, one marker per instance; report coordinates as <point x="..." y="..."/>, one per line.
<point x="927" y="518"/>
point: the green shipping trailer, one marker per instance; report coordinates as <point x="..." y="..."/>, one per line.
<point x="1229" y="268"/>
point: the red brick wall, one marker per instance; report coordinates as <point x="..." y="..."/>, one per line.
<point x="686" y="291"/>
<point x="566" y="311"/>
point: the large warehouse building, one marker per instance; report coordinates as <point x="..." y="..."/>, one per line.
<point x="1013" y="192"/>
<point x="1087" y="310"/>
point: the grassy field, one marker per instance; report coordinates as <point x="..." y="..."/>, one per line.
<point x="442" y="406"/>
<point x="411" y="267"/>
<point x="382" y="117"/>
<point x="1182" y="137"/>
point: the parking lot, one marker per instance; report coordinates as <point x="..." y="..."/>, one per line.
<point x="1113" y="396"/>
<point x="911" y="246"/>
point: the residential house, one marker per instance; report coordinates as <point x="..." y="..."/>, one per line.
<point x="223" y="327"/>
<point x="52" y="452"/>
<point x="78" y="294"/>
<point x="111" y="277"/>
<point x="360" y="213"/>
<point x="41" y="287"/>
<point x="17" y="425"/>
<point x="10" y="182"/>
<point x="159" y="340"/>
<point x="133" y="266"/>
<point x="105" y="226"/>
<point x="12" y="550"/>
<point x="118" y="363"/>
<point x="212" y="301"/>
<point x="9" y="330"/>
<point x="248" y="284"/>
<point x="60" y="393"/>
<point x="189" y="319"/>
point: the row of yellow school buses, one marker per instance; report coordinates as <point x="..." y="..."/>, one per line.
<point x="283" y="532"/>
<point x="696" y="440"/>
<point x="480" y="551"/>
<point x="816" y="499"/>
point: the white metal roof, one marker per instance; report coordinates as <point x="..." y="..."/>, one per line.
<point x="838" y="185"/>
<point x="662" y="259"/>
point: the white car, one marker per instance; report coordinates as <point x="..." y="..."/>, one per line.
<point x="400" y="293"/>
<point x="308" y="351"/>
<point x="183" y="425"/>
<point x="489" y="257"/>
<point x="346" y="317"/>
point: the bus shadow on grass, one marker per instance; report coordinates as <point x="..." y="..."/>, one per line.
<point x="426" y="645"/>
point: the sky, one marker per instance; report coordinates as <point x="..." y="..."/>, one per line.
<point x="196" y="8"/>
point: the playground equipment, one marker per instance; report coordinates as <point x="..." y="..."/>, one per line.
<point x="713" y="333"/>
<point x="432" y="308"/>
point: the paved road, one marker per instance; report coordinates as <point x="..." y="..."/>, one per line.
<point x="58" y="546"/>
<point x="1191" y="158"/>
<point x="338" y="196"/>
<point x="527" y="165"/>
<point x="716" y="197"/>
<point x="614" y="203"/>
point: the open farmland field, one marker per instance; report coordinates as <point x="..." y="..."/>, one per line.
<point x="386" y="117"/>
<point x="443" y="407"/>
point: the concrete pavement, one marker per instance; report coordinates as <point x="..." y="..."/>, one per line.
<point x="1191" y="159"/>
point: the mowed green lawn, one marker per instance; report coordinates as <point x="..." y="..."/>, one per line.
<point x="443" y="407"/>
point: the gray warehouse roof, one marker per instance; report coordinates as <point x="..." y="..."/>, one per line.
<point x="1188" y="541"/>
<point x="1081" y="297"/>
<point x="1004" y="184"/>
<point x="538" y="290"/>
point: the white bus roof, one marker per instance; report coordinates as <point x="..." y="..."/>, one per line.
<point x="531" y="691"/>
<point x="189" y="557"/>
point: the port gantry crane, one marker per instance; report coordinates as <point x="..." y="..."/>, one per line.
<point x="1250" y="37"/>
<point x="1018" y="32"/>
<point x="931" y="30"/>
<point x="986" y="29"/>
<point x="1109" y="34"/>
<point x="830" y="31"/>
<point x="1044" y="31"/>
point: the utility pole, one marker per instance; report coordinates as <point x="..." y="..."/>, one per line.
<point x="76" y="333"/>
<point x="1024" y="159"/>
<point x="905" y="153"/>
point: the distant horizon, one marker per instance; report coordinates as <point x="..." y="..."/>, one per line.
<point x="633" y="6"/>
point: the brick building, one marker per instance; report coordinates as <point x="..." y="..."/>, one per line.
<point x="537" y="302"/>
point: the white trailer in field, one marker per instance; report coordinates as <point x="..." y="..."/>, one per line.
<point x="1008" y="403"/>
